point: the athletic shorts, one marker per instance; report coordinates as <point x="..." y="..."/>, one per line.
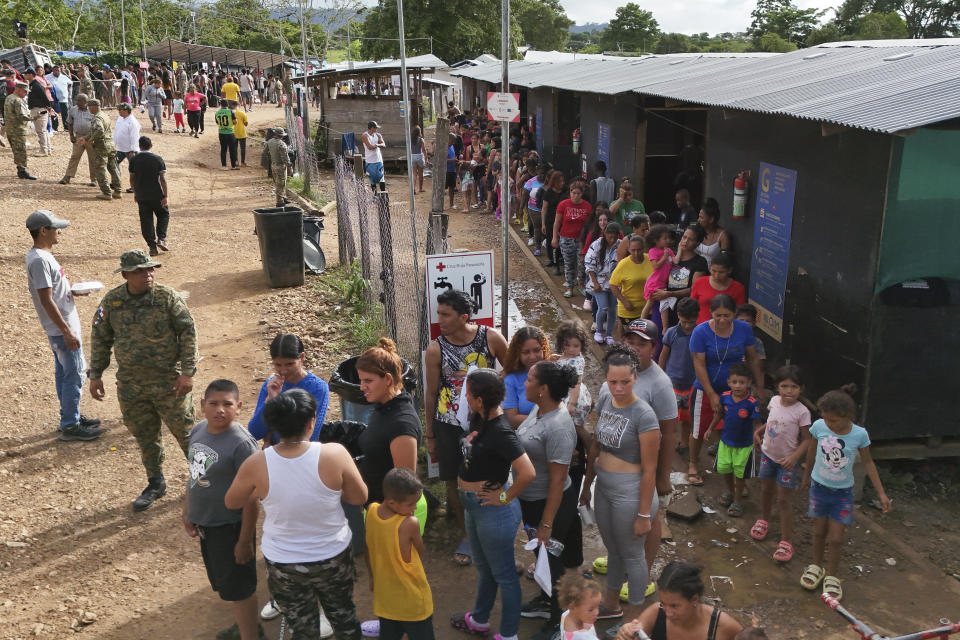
<point x="836" y="504"/>
<point x="417" y="159"/>
<point x="683" y="403"/>
<point x="701" y="413"/>
<point x="247" y="95"/>
<point x="732" y="459"/>
<point x="451" y="180"/>
<point x="375" y="172"/>
<point x="770" y="470"/>
<point x="232" y="581"/>
<point x="449" y="448"/>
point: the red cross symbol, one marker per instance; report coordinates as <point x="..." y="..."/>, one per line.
<point x="441" y="267"/>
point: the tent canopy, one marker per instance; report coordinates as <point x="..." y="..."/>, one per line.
<point x="191" y="53"/>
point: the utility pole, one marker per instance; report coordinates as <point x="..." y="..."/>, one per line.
<point x="123" y="33"/>
<point x="349" y="60"/>
<point x="305" y="160"/>
<point x="505" y="169"/>
<point x="143" y="37"/>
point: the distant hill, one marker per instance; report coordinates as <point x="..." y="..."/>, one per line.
<point x="590" y="26"/>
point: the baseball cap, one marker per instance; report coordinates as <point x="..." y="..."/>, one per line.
<point x="279" y="131"/>
<point x="373" y="123"/>
<point x="646" y="329"/>
<point x="93" y="102"/>
<point x="8" y="72"/>
<point x="136" y="259"/>
<point x="20" y="84"/>
<point x="42" y="218"/>
<point x="30" y="71"/>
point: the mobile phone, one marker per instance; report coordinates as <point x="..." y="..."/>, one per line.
<point x="43" y="112"/>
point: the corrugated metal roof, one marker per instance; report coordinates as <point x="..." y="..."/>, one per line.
<point x="426" y="61"/>
<point x="187" y="52"/>
<point x="886" y="86"/>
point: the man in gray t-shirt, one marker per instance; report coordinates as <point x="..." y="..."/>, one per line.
<point x="214" y="460"/>
<point x="53" y="300"/>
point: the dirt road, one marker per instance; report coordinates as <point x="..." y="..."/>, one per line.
<point x="72" y="553"/>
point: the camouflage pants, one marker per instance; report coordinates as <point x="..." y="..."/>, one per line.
<point x="19" y="147"/>
<point x="297" y="587"/>
<point x="143" y="405"/>
<point x="104" y="162"/>
<point x="280" y="182"/>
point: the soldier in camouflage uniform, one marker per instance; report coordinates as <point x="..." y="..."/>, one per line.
<point x="280" y="166"/>
<point x="16" y="118"/>
<point x="103" y="151"/>
<point x="86" y="82"/>
<point x="154" y="339"/>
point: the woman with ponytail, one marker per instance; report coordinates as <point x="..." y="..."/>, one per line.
<point x="288" y="356"/>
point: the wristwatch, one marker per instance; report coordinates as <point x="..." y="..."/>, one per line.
<point x="503" y="497"/>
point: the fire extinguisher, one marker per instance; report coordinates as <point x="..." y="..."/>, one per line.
<point x="576" y="141"/>
<point x="740" y="195"/>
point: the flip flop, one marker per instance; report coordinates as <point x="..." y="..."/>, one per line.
<point x="725" y="499"/>
<point x="600" y="565"/>
<point x="608" y="614"/>
<point x="462" y="556"/>
<point x="784" y="552"/>
<point x="462" y="622"/>
<point x="694" y="479"/>
<point x="832" y="588"/>
<point x="812" y="576"/>
<point x="735" y="510"/>
<point x="759" y="530"/>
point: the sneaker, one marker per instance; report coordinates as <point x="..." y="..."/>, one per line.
<point x="104" y="196"/>
<point x="370" y="628"/>
<point x="547" y="632"/>
<point x="609" y="614"/>
<point x="568" y="293"/>
<point x="64" y="180"/>
<point x="89" y="422"/>
<point x="611" y="340"/>
<point x="154" y="252"/>
<point x="162" y="244"/>
<point x="598" y="337"/>
<point x="536" y="252"/>
<point x="157" y="488"/>
<point x="326" y="630"/>
<point x="538" y="607"/>
<point x="270" y="611"/>
<point x="79" y="432"/>
<point x="531" y="242"/>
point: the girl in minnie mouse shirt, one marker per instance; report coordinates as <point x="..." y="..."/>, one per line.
<point x="837" y="442"/>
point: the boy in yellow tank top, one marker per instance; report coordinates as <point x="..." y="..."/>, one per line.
<point x="402" y="599"/>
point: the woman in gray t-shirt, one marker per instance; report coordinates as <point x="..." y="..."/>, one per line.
<point x="623" y="457"/>
<point x="549" y="438"/>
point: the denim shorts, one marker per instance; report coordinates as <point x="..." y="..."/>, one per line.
<point x="769" y="469"/>
<point x="826" y="502"/>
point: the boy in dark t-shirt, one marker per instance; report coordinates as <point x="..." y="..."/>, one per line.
<point x="218" y="446"/>
<point x="741" y="417"/>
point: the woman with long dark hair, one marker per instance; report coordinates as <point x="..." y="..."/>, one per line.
<point x="600" y="262"/>
<point x="528" y="346"/>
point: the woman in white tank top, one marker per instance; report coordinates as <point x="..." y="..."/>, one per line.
<point x="306" y="538"/>
<point x="716" y="239"/>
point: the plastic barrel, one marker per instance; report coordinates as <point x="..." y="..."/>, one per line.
<point x="280" y="234"/>
<point x="346" y="383"/>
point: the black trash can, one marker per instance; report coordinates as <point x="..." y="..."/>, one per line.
<point x="345" y="382"/>
<point x="280" y="234"/>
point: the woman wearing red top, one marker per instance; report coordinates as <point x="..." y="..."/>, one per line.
<point x="572" y="214"/>
<point x="704" y="290"/>
<point x="193" y="100"/>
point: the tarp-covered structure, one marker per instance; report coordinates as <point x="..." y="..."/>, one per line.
<point x="170" y="49"/>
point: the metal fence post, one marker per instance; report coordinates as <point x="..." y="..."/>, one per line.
<point x="345" y="245"/>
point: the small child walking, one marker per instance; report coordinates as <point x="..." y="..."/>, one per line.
<point x="178" y="113"/>
<point x="661" y="259"/>
<point x="677" y="361"/>
<point x="218" y="446"/>
<point x="837" y="443"/>
<point x="784" y="440"/>
<point x="570" y="340"/>
<point x="741" y="416"/>
<point x="402" y="599"/>
<point x="581" y="600"/>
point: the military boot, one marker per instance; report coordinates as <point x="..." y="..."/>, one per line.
<point x="156" y="488"/>
<point x="23" y="174"/>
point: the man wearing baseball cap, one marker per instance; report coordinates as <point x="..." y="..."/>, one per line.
<point x="151" y="332"/>
<point x="653" y="385"/>
<point x="372" y="143"/>
<point x="53" y="300"/>
<point x="16" y="117"/>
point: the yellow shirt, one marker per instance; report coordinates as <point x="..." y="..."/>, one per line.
<point x="400" y="589"/>
<point x="231" y="90"/>
<point x="631" y="277"/>
<point x="240" y="126"/>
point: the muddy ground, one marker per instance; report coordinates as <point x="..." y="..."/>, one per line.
<point x="74" y="558"/>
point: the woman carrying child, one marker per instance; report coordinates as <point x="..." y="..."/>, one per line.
<point x="837" y="442"/>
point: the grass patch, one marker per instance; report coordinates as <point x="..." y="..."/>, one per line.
<point x="360" y="317"/>
<point x="295" y="183"/>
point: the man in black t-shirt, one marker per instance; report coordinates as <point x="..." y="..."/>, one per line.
<point x="149" y="183"/>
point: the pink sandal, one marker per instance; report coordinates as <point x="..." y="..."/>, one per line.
<point x="463" y="622"/>
<point x="759" y="530"/>
<point x="784" y="552"/>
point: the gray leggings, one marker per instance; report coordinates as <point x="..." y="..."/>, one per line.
<point x="155" y="111"/>
<point x="616" y="504"/>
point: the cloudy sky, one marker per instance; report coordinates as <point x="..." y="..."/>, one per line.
<point x="683" y="16"/>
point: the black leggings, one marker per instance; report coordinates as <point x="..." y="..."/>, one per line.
<point x="203" y="112"/>
<point x="242" y="143"/>
<point x="150" y="233"/>
<point x="228" y="142"/>
<point x="193" y="120"/>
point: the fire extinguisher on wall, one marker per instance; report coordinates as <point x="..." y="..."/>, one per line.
<point x="576" y="141"/>
<point x="740" y="195"/>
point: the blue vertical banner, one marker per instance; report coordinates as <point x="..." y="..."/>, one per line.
<point x="540" y="130"/>
<point x="771" y="246"/>
<point x="603" y="143"/>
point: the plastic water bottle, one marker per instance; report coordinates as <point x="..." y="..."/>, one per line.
<point x="554" y="546"/>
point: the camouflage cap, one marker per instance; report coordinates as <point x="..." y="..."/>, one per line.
<point x="20" y="84"/>
<point x="136" y="259"/>
<point x="279" y="131"/>
<point x="93" y="102"/>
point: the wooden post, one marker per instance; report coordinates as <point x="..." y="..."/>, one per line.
<point x="363" y="198"/>
<point x="386" y="263"/>
<point x="437" y="226"/>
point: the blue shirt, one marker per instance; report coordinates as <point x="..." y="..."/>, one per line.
<point x="721" y="353"/>
<point x="833" y="466"/>
<point x="679" y="362"/>
<point x="516" y="396"/>
<point x="310" y="383"/>
<point x="738" y="420"/>
<point x="451" y="159"/>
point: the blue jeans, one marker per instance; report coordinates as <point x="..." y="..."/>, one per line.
<point x="606" y="311"/>
<point x="491" y="531"/>
<point x="68" y="374"/>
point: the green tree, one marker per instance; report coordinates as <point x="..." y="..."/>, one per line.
<point x="829" y="32"/>
<point x="673" y="43"/>
<point x="633" y="29"/>
<point x="774" y="43"/>
<point x="784" y="19"/>
<point x="881" y="26"/>
<point x="544" y="23"/>
<point x="923" y="18"/>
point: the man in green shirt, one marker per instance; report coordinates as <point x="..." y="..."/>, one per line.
<point x="625" y="207"/>
<point x="226" y="119"/>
